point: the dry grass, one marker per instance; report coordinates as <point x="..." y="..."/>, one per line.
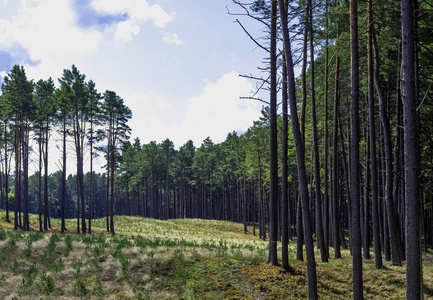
<point x="175" y="259"/>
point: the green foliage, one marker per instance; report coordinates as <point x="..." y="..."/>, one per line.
<point x="3" y="235"/>
<point x="47" y="284"/>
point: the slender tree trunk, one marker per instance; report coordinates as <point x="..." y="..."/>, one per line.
<point x="6" y="176"/>
<point x="319" y="225"/>
<point x="308" y="233"/>
<point x="393" y="224"/>
<point x="354" y="154"/>
<point x="46" y="212"/>
<point x="91" y="176"/>
<point x="325" y="160"/>
<point x="273" y="140"/>
<point x="40" y="181"/>
<point x="112" y="158"/>
<point x="107" y="207"/>
<point x="335" y="189"/>
<point x="372" y="144"/>
<point x="63" y="200"/>
<point x="17" y="174"/>
<point x="284" y="183"/>
<point x="411" y="156"/>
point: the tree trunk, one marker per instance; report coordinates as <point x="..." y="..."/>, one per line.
<point x="308" y="233"/>
<point x="372" y="144"/>
<point x="6" y="176"/>
<point x="273" y="140"/>
<point x="40" y="181"/>
<point x="284" y="183"/>
<point x="63" y="200"/>
<point x="393" y="224"/>
<point x="411" y="156"/>
<point x="354" y="154"/>
<point x="319" y="225"/>
<point x="335" y="185"/>
<point x="325" y="159"/>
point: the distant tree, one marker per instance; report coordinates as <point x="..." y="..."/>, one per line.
<point x="6" y="116"/>
<point x="93" y="107"/>
<point x="116" y="115"/>
<point x="18" y="91"/>
<point x="63" y="117"/>
<point x="79" y="104"/>
<point x="168" y="150"/>
<point x="45" y="106"/>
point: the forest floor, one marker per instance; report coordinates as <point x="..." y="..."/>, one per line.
<point x="174" y="259"/>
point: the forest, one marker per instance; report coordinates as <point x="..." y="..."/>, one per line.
<point x="341" y="158"/>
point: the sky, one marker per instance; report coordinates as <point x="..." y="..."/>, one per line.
<point x="176" y="63"/>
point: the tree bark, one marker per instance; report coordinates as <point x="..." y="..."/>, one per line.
<point x="319" y="227"/>
<point x="311" y="263"/>
<point x="273" y="140"/>
<point x="393" y="224"/>
<point x="372" y="144"/>
<point x="411" y="156"/>
<point x="354" y="155"/>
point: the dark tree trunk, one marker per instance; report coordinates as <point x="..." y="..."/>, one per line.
<point x="40" y="181"/>
<point x="6" y="177"/>
<point x="63" y="200"/>
<point x="335" y="185"/>
<point x="319" y="225"/>
<point x="393" y="224"/>
<point x="325" y="159"/>
<point x="284" y="183"/>
<point x="273" y="140"/>
<point x="308" y="233"/>
<point x="107" y="206"/>
<point x="354" y="155"/>
<point x="411" y="156"/>
<point x="372" y="144"/>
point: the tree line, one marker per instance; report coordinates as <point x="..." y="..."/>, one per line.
<point x="30" y="114"/>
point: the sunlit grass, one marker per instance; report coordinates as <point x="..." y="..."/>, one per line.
<point x="189" y="259"/>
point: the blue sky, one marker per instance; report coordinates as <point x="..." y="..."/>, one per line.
<point x="176" y="63"/>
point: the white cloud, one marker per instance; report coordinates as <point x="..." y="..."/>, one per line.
<point x="125" y="30"/>
<point x="138" y="11"/>
<point x="172" y="38"/>
<point x="46" y="29"/>
<point x="215" y="112"/>
<point x="218" y="109"/>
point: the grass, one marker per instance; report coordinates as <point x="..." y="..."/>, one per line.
<point x="175" y="259"/>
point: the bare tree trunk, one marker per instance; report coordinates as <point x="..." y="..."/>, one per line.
<point x="393" y="224"/>
<point x="325" y="160"/>
<point x="335" y="188"/>
<point x="273" y="140"/>
<point x="284" y="183"/>
<point x="372" y="144"/>
<point x="354" y="154"/>
<point x="308" y="233"/>
<point x="40" y="181"/>
<point x="63" y="228"/>
<point x="319" y="225"/>
<point x="411" y="156"/>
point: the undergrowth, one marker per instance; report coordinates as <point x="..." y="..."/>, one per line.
<point x="175" y="259"/>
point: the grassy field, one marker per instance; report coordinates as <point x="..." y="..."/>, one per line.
<point x="175" y="259"/>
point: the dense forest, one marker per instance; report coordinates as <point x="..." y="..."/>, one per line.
<point x="342" y="156"/>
